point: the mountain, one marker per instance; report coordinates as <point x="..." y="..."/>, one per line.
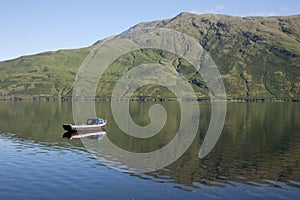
<point x="258" y="57"/>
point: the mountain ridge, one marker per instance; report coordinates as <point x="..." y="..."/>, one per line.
<point x="258" y="57"/>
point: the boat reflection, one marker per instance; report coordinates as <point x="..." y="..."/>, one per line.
<point x="93" y="136"/>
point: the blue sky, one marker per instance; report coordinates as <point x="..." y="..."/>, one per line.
<point x="33" y="26"/>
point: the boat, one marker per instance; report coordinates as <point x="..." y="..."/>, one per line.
<point x="92" y="125"/>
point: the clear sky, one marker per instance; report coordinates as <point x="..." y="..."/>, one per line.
<point x="33" y="26"/>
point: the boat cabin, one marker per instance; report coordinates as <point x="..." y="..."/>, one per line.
<point x="95" y="121"/>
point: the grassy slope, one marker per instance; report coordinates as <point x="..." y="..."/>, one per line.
<point x="146" y="56"/>
<point x="49" y="73"/>
<point x="258" y="57"/>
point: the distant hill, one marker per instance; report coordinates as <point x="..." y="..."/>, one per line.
<point x="258" y="57"/>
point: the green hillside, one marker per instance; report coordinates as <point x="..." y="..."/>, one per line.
<point x="258" y="57"/>
<point x="45" y="74"/>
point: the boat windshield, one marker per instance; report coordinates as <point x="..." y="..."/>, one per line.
<point x="92" y="121"/>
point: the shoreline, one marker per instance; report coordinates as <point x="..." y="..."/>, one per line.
<point x="15" y="98"/>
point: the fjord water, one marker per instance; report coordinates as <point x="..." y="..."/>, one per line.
<point x="257" y="155"/>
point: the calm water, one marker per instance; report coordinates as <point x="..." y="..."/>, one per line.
<point x="257" y="155"/>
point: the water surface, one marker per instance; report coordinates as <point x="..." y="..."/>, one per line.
<point x="257" y="155"/>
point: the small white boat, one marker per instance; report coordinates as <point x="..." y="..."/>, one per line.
<point x="92" y="125"/>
